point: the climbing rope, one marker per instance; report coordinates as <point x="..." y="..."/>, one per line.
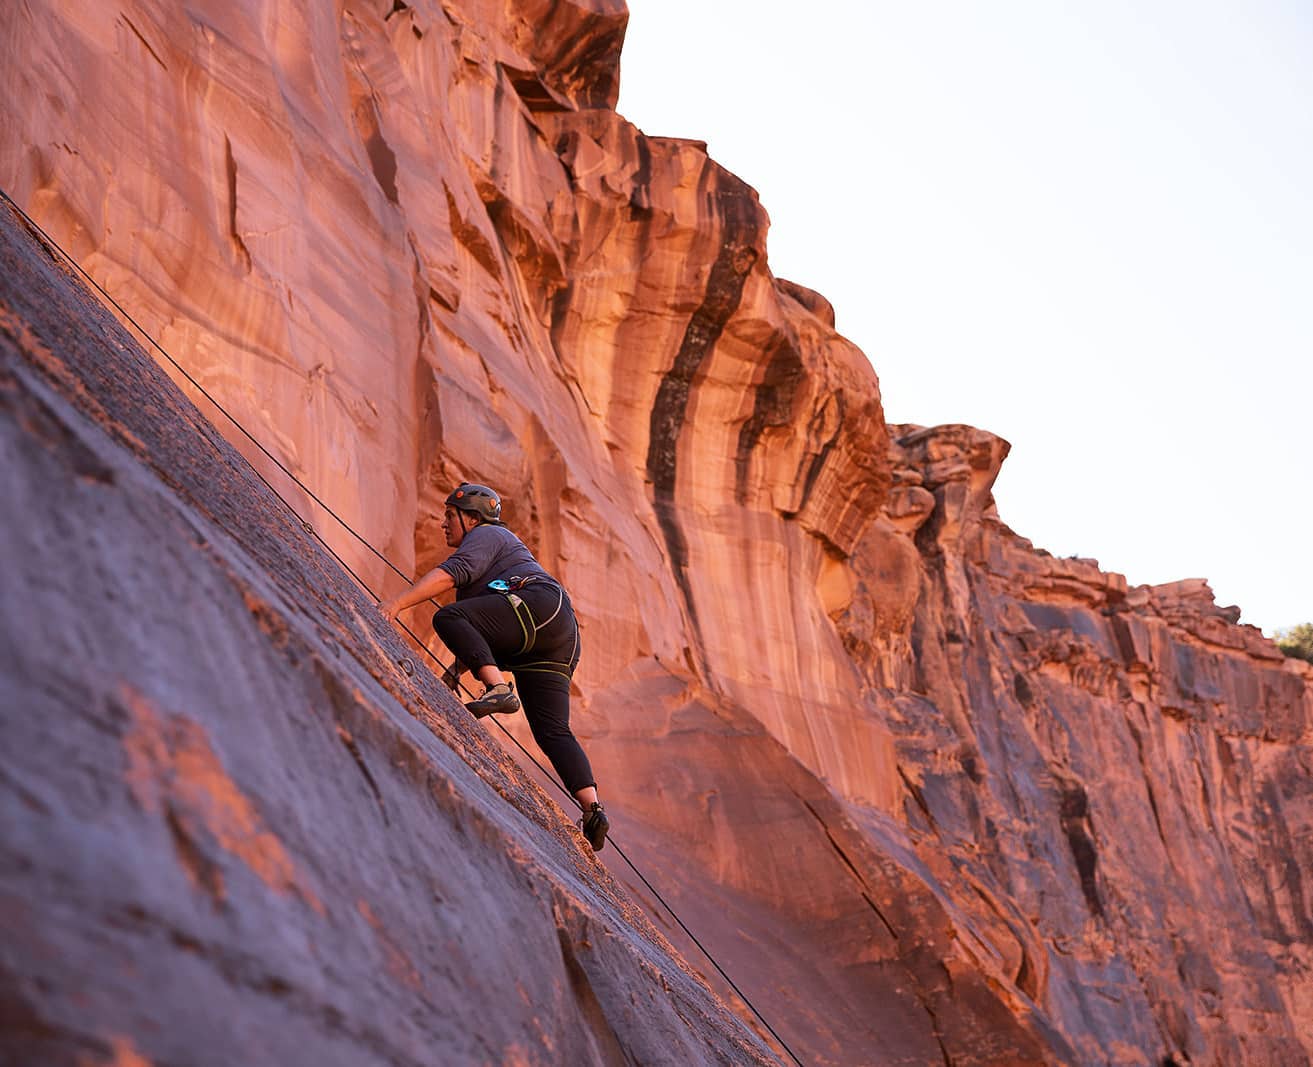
<point x="404" y="664"/>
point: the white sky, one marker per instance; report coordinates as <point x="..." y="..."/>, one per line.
<point x="1086" y="227"/>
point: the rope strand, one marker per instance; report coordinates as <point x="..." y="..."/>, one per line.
<point x="310" y="529"/>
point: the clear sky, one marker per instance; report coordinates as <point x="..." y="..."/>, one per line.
<point x="1086" y="227"/>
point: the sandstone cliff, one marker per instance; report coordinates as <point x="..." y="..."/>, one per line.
<point x="236" y="829"/>
<point x="933" y="795"/>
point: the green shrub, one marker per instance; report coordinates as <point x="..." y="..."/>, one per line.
<point x="1297" y="641"/>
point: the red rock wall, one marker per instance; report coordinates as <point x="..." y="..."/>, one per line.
<point x="232" y="828"/>
<point x="930" y="793"/>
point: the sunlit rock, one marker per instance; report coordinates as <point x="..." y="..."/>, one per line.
<point x="930" y="793"/>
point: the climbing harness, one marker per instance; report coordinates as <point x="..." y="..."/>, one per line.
<point x="530" y="627"/>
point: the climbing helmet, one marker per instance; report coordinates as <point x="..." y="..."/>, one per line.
<point x="478" y="500"/>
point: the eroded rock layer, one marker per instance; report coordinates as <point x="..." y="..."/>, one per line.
<point x="930" y="794"/>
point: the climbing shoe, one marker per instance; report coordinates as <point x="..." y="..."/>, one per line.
<point x="595" y="824"/>
<point x="497" y="699"/>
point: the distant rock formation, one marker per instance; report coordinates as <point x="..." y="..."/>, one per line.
<point x="932" y="794"/>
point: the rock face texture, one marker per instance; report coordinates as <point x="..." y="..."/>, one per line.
<point x="236" y="830"/>
<point x="929" y="794"/>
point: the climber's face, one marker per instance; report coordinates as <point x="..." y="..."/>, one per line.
<point x="453" y="528"/>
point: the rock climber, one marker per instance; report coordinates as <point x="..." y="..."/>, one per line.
<point x="509" y="615"/>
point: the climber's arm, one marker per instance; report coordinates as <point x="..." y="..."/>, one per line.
<point x="433" y="584"/>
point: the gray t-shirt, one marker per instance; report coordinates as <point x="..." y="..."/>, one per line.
<point x="487" y="553"/>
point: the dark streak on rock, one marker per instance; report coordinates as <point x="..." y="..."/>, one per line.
<point x="536" y="95"/>
<point x="186" y="942"/>
<point x="560" y="147"/>
<point x="560" y="308"/>
<point x="880" y="915"/>
<point x="230" y="169"/>
<point x="344" y="735"/>
<point x="772" y="406"/>
<point x="608" y="1044"/>
<point x="640" y="199"/>
<point x="1027" y="980"/>
<point x="369" y="128"/>
<point x="934" y="1027"/>
<point x="1074" y="813"/>
<point x="444" y="301"/>
<point x="852" y="869"/>
<point x="29" y="799"/>
<point x="1022" y="688"/>
<point x="145" y="43"/>
<point x="204" y="872"/>
<point x="383" y="162"/>
<point x="472" y="238"/>
<point x="423" y="294"/>
<point x="585" y="69"/>
<point x="919" y="991"/>
<point x="918" y="796"/>
<point x="818" y="460"/>
<point x="345" y="705"/>
<point x="1148" y="787"/>
<point x="736" y="204"/>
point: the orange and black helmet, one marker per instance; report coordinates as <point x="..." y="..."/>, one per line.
<point x="478" y="500"/>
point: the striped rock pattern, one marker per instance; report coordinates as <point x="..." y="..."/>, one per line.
<point x="930" y="793"/>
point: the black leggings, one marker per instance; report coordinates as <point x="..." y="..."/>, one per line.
<point x="488" y="630"/>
